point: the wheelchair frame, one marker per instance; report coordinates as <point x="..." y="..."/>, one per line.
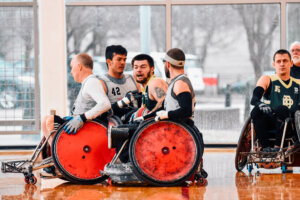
<point x="27" y="167"/>
<point x="249" y="151"/>
<point x="134" y="175"/>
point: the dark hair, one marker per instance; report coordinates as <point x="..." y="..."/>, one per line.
<point x="176" y="54"/>
<point x="117" y="49"/>
<point x="282" y="51"/>
<point x="85" y="60"/>
<point x="143" y="57"/>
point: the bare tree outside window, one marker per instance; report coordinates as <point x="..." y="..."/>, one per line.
<point x="260" y="23"/>
<point x="293" y="12"/>
<point x="199" y="29"/>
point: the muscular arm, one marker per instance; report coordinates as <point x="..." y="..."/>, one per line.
<point x="185" y="109"/>
<point x="264" y="82"/>
<point x="94" y="90"/>
<point x="157" y="91"/>
<point x="184" y="98"/>
<point x="180" y="87"/>
<point x="261" y="87"/>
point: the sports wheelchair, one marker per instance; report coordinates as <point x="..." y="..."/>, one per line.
<point x="78" y="158"/>
<point x="249" y="151"/>
<point x="161" y="153"/>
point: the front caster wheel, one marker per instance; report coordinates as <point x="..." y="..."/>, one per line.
<point x="31" y="180"/>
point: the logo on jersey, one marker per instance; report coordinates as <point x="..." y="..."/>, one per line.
<point x="287" y="101"/>
<point x="277" y="88"/>
<point x="296" y="90"/>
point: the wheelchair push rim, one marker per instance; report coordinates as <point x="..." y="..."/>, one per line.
<point x="80" y="157"/>
<point x="164" y="153"/>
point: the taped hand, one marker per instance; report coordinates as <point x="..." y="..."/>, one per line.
<point x="74" y="124"/>
<point x="160" y="115"/>
<point x="129" y="97"/>
<point x="139" y="119"/>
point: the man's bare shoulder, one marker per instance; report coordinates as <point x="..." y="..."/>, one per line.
<point x="157" y="82"/>
<point x="181" y="86"/>
<point x="157" y="88"/>
<point x="264" y="81"/>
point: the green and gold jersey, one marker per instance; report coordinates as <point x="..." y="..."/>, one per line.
<point x="283" y="93"/>
<point x="146" y="101"/>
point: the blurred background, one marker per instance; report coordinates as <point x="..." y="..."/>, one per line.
<point x="228" y="47"/>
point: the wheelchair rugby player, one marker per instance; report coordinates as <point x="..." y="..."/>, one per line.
<point x="269" y="138"/>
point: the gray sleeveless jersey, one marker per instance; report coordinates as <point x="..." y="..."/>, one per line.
<point x="82" y="104"/>
<point x="117" y="88"/>
<point x="171" y="102"/>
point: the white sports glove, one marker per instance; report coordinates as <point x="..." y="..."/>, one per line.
<point x="74" y="124"/>
<point x="162" y="114"/>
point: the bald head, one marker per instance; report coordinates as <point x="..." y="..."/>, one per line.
<point x="85" y="60"/>
<point x="81" y="67"/>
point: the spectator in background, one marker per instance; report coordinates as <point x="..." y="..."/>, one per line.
<point x="295" y="53"/>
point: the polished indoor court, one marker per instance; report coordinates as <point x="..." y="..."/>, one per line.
<point x="223" y="183"/>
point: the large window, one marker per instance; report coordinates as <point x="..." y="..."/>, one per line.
<point x="228" y="44"/>
<point x="293" y="23"/>
<point x="91" y="28"/>
<point x="233" y="44"/>
<point x="19" y="93"/>
<point x="228" y="47"/>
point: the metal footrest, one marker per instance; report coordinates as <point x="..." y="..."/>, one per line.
<point x="14" y="166"/>
<point x="121" y="173"/>
<point x="265" y="157"/>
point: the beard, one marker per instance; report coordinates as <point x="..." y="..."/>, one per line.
<point x="296" y="60"/>
<point x="145" y="80"/>
<point x="167" y="72"/>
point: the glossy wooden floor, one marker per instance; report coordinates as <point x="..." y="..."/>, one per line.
<point x="223" y="183"/>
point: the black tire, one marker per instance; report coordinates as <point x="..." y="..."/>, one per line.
<point x="244" y="145"/>
<point x="114" y="120"/>
<point x="180" y="132"/>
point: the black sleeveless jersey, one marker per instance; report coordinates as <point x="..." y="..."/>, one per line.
<point x="282" y="93"/>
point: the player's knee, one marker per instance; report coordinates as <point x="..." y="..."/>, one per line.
<point x="49" y="123"/>
<point x="282" y="112"/>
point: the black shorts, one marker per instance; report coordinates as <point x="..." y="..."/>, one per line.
<point x="58" y="121"/>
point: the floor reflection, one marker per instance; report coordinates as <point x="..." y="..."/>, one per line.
<point x="30" y="193"/>
<point x="223" y="183"/>
<point x="69" y="191"/>
<point x="268" y="186"/>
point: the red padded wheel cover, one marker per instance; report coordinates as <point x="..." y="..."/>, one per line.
<point x="84" y="154"/>
<point x="165" y="151"/>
